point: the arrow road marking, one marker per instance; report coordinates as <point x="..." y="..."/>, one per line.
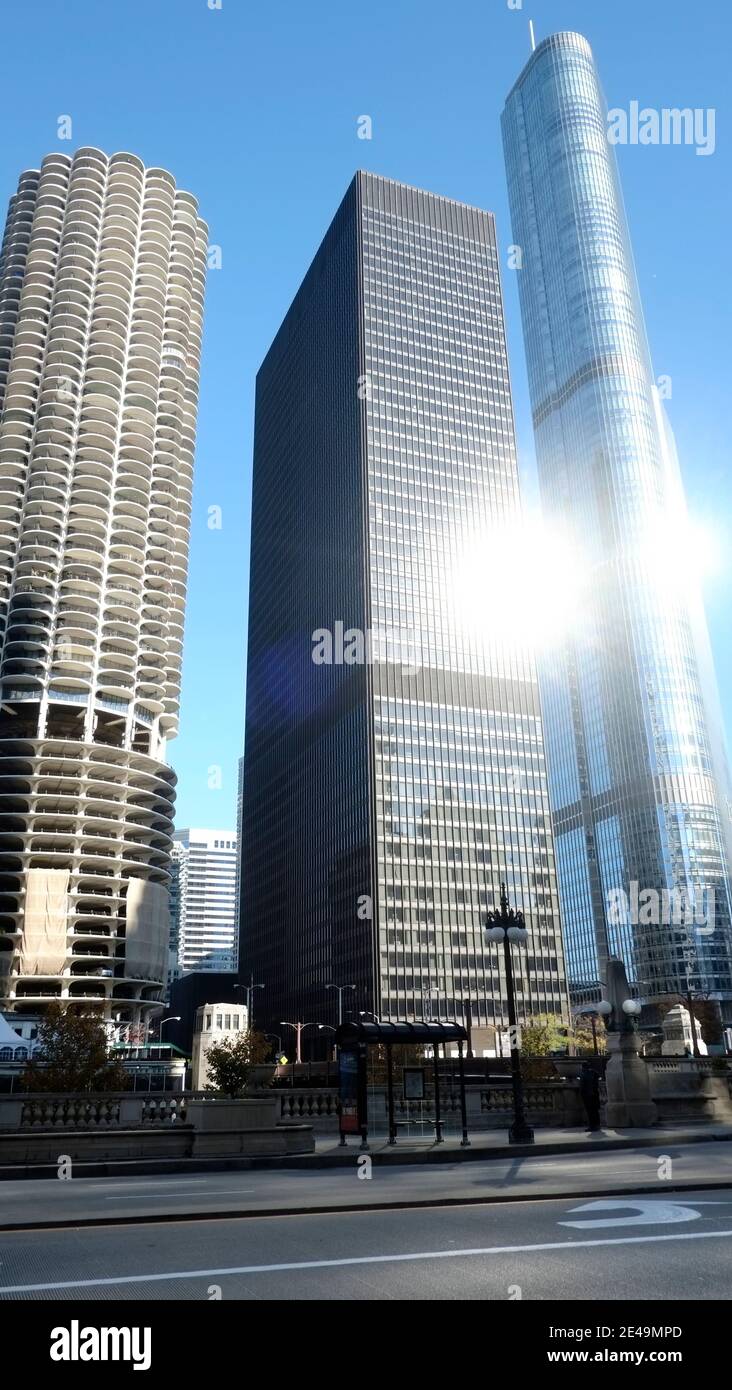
<point x="650" y="1213"/>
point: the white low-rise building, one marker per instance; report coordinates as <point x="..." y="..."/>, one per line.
<point x="214" y="1024"/>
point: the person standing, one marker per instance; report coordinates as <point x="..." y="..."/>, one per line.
<point x="589" y="1085"/>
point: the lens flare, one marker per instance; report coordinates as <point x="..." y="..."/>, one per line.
<point x="516" y="583"/>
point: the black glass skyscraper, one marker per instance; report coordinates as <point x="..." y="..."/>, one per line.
<point x="394" y="764"/>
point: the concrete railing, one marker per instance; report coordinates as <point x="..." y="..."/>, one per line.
<point x="691" y="1088"/>
<point x="488" y="1107"/>
<point x="86" y="1111"/>
<point x="712" y="1063"/>
<point x="318" y="1106"/>
<point x="547" y="1103"/>
<point x="47" y="1130"/>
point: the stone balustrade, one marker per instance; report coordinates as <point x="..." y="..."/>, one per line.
<point x="691" y="1088"/>
<point x="317" y="1106"/>
<point x="488" y="1107"/>
<point x="44" y="1129"/>
<point x="85" y="1111"/>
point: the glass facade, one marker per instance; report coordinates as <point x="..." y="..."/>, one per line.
<point x="412" y="781"/>
<point x="638" y="775"/>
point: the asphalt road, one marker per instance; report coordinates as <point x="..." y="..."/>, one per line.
<point x="670" y="1246"/>
<point x="46" y="1200"/>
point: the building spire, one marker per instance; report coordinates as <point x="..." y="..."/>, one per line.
<point x="532" y="39"/>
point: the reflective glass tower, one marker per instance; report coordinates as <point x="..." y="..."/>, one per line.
<point x="394" y="764"/>
<point x="638" y="776"/>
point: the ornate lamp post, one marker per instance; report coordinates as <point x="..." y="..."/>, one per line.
<point x="627" y="1078"/>
<point x="622" y="1016"/>
<point x="593" y="1012"/>
<point x="508" y="926"/>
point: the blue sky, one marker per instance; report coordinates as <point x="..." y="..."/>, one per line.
<point x="254" y="108"/>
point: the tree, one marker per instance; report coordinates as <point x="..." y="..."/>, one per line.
<point x="709" y="1019"/>
<point x="72" y="1056"/>
<point x="543" y="1034"/>
<point x="582" y="1037"/>
<point x="402" y="1055"/>
<point x="229" y="1062"/>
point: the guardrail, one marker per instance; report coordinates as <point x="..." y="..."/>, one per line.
<point x="105" y="1111"/>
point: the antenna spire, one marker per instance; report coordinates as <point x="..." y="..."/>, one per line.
<point x="532" y="39"/>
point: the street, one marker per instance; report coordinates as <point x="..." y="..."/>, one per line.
<point x="673" y="1246"/>
<point x="45" y="1200"/>
<point x="494" y="1229"/>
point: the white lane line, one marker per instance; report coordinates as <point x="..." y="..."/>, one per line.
<point x="184" y="1196"/>
<point x="359" y="1260"/>
<point x="153" y="1184"/>
<point x="92" y="1185"/>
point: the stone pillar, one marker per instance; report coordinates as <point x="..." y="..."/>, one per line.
<point x="130" y="1110"/>
<point x="11" y="1110"/>
<point x="628" y="1084"/>
<point x="627" y="1080"/>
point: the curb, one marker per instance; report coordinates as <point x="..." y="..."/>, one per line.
<point x="350" y="1209"/>
<point x="344" y="1158"/>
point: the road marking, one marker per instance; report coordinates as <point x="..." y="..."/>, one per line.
<point x="649" y="1213"/>
<point x="185" y="1196"/>
<point x="357" y="1260"/>
<point x="153" y="1183"/>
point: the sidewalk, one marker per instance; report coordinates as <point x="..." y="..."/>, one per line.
<point x="492" y="1144"/>
<point x="328" y="1184"/>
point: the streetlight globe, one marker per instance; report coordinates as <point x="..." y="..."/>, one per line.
<point x="517" y="934"/>
<point x="631" y="1006"/>
<point x="604" y="1007"/>
<point x="494" y="934"/>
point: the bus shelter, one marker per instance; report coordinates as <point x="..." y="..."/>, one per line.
<point x="355" y="1039"/>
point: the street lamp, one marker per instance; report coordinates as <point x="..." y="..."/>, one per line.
<point x="299" y="1028"/>
<point x="326" y="1028"/>
<point x="688" y="999"/>
<point x="249" y="990"/>
<point x="340" y="989"/>
<point x="508" y="926"/>
<point x="172" y="1018"/>
<point x="592" y="1011"/>
<point x="630" y="1007"/>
